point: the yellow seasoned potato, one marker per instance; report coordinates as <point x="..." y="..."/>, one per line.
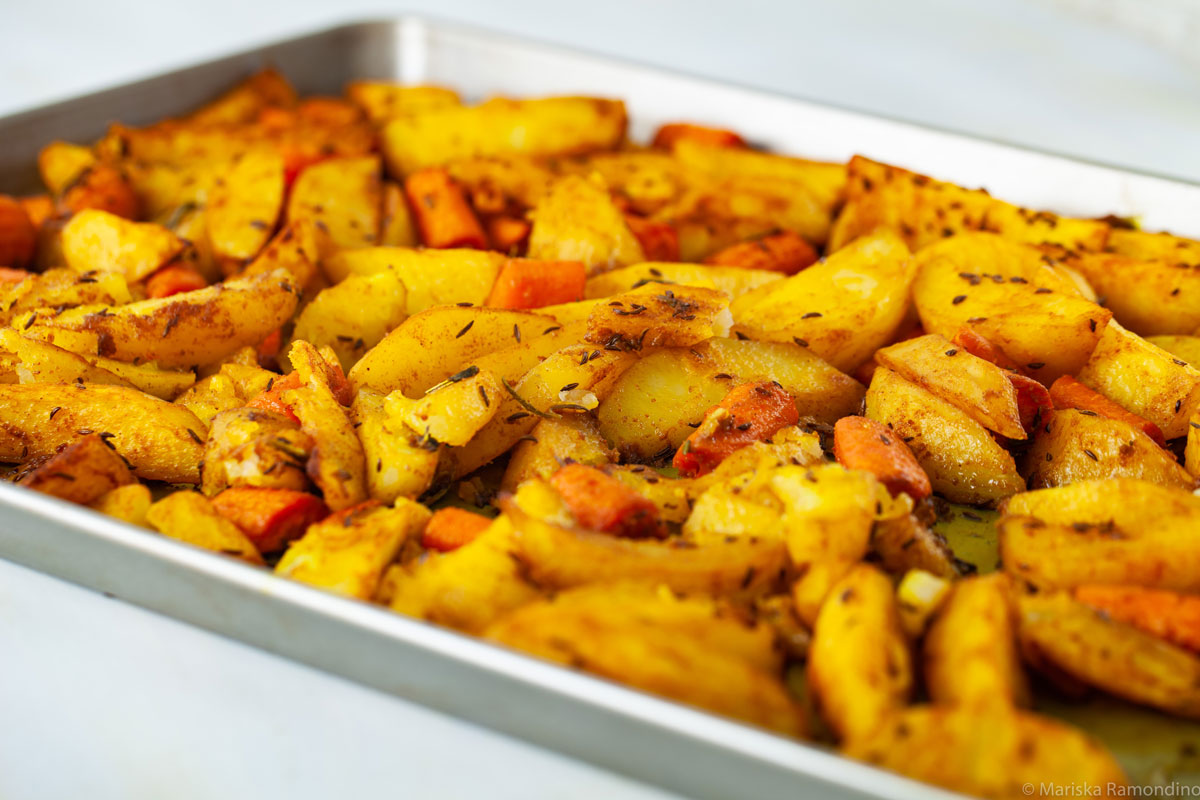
<point x="210" y="396"/>
<point x="552" y="126"/>
<point x="63" y="288"/>
<point x="1191" y="453"/>
<point x="1151" y="246"/>
<point x="198" y="327"/>
<point x="552" y="442"/>
<point x="129" y="503"/>
<point x="654" y="405"/>
<point x="1075" y="446"/>
<point x="659" y="316"/>
<point x="60" y="163"/>
<point x="353" y="316"/>
<point x="1004" y="754"/>
<point x="190" y="517"/>
<point x="343" y="197"/>
<point x="467" y="588"/>
<point x="970" y="651"/>
<point x="429" y="347"/>
<point x="733" y="281"/>
<point x="1136" y="507"/>
<point x="924" y="211"/>
<point x="859" y="665"/>
<point x="244" y="208"/>
<point x="97" y="241"/>
<point x="1150" y="297"/>
<point x="1065" y="636"/>
<point x="843" y="309"/>
<point x="1183" y="347"/>
<point x="254" y="448"/>
<point x="964" y="462"/>
<point x="82" y="472"/>
<point x="1006" y="292"/>
<point x="452" y="412"/>
<point x="161" y="441"/>
<point x="576" y="220"/>
<point x="496" y="185"/>
<point x="348" y="552"/>
<point x="398" y="463"/>
<point x="682" y="648"/>
<point x="244" y="101"/>
<point x="383" y="100"/>
<point x="40" y="362"/>
<point x="431" y="277"/>
<point x="1144" y="379"/>
<point x="904" y="543"/>
<point x="977" y="387"/>
<point x="296" y="249"/>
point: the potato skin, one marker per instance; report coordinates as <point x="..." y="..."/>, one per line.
<point x="160" y="440"/>
<point x="82" y="472"/>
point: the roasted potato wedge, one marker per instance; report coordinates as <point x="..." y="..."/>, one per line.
<point x="96" y="241"/>
<point x="82" y="472"/>
<point x="576" y="220"/>
<point x="191" y="518"/>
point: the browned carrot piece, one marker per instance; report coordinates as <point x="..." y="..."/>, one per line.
<point x="444" y="216"/>
<point x="867" y="445"/>
<point x="750" y="412"/>
<point x="268" y="348"/>
<point x="270" y="517"/>
<point x="979" y="346"/>
<point x="18" y="237"/>
<point x="784" y="252"/>
<point x="1066" y="392"/>
<point x="526" y="283"/>
<point x="1168" y="615"/>
<point x="173" y="279"/>
<point x="450" y="528"/>
<point x="272" y="398"/>
<point x="104" y="187"/>
<point x="602" y="503"/>
<point x="659" y="240"/>
<point x="39" y="207"/>
<point x="11" y="276"/>
<point x="666" y="136"/>
<point x="508" y="234"/>
<point x="1034" y="403"/>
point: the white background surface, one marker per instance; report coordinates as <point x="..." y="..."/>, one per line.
<point x="102" y="700"/>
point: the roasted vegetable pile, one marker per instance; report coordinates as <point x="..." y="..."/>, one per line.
<point x="687" y="416"/>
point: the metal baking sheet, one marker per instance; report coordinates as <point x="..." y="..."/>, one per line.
<point x="647" y="738"/>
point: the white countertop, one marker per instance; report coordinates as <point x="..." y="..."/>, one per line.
<point x="104" y="700"/>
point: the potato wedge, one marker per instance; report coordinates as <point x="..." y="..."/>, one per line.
<point x="97" y="241"/>
<point x="1068" y="637"/>
<point x="1150" y="246"/>
<point x="40" y="362"/>
<point x="452" y="412"/>
<point x="576" y="220"/>
<point x="843" y="309"/>
<point x="1075" y="446"/>
<point x="383" y="100"/>
<point x="82" y="472"/>
<point x="396" y="226"/>
<point x="859" y="665"/>
<point x="398" y="463"/>
<point x="343" y="197"/>
<point x="190" y="517"/>
<point x="347" y="552"/>
<point x="552" y="442"/>
<point x="924" y="211"/>
<point x="160" y="440"/>
<point x="1184" y="347"/>
<point x="1144" y="379"/>
<point x="60" y="163"/>
<point x="964" y="463"/>
<point x="552" y="126"/>
<point x="1150" y="297"/>
<point x="431" y="277"/>
<point x="129" y="503"/>
<point x="245" y="207"/>
<point x="659" y="316"/>
<point x="977" y="387"/>
<point x="353" y="316"/>
<point x="187" y="329"/>
<point x="255" y="448"/>
<point x="733" y="281"/>
<point x="59" y="287"/>
<point x="651" y="409"/>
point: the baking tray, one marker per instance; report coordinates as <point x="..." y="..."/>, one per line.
<point x="660" y="742"/>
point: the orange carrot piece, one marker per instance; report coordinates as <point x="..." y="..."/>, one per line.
<point x="864" y="444"/>
<point x="270" y="517"/>
<point x="979" y="346"/>
<point x="508" y="234"/>
<point x="104" y="187"/>
<point x="1167" y="615"/>
<point x="444" y="216"/>
<point x="269" y="347"/>
<point x="11" y="276"/>
<point x="527" y="283"/>
<point x="18" y="237"/>
<point x="666" y="136"/>
<point x="1066" y="392"/>
<point x="785" y="252"/>
<point x="450" y="528"/>
<point x="600" y="502"/>
<point x="272" y="398"/>
<point x="1034" y="403"/>
<point x="39" y="207"/>
<point x="173" y="279"/>
<point x="752" y="412"/>
<point x="659" y="240"/>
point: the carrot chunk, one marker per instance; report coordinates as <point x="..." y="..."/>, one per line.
<point x="867" y="445"/>
<point x="979" y="346"/>
<point x="1034" y="403"/>
<point x="269" y="347"/>
<point x="1066" y="392"/>
<point x="666" y="136"/>
<point x="659" y="240"/>
<point x="39" y="207"/>
<point x="450" y="528"/>
<point x="11" y="276"/>
<point x="444" y="216"/>
<point x="18" y="237"/>
<point x="527" y="283"/>
<point x="508" y="234"/>
<point x="104" y="187"/>
<point x="784" y="252"/>
<point x="272" y="398"/>
<point x="1167" y="615"/>
<point x="602" y="503"/>
<point x="270" y="517"/>
<point x="173" y="279"/>
<point x="750" y="412"/>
